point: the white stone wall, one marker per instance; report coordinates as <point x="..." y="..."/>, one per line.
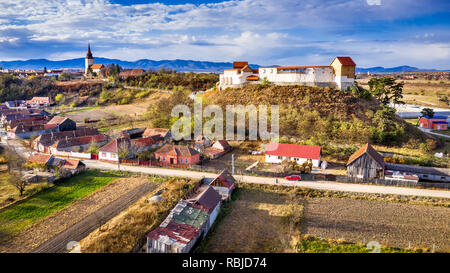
<point x="309" y="75"/>
<point x="343" y="82"/>
<point x="108" y="156"/>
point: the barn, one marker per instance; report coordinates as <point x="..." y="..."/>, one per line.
<point x="366" y="163"/>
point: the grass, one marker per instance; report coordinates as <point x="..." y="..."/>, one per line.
<point x="311" y="244"/>
<point x="81" y="110"/>
<point x="24" y="214"/>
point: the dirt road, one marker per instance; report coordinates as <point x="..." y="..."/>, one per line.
<point x="81" y="229"/>
<point x="319" y="185"/>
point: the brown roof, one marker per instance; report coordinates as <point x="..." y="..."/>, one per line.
<point x="224" y="144"/>
<point x="208" y="199"/>
<point x="132" y="72"/>
<point x="39" y="158"/>
<point x="212" y="151"/>
<point x="96" y="66"/>
<point x="367" y="149"/>
<point x="78" y="141"/>
<point x="49" y="138"/>
<point x="224" y="178"/>
<point x="239" y="65"/>
<point x="71" y="164"/>
<point x="145" y="141"/>
<point x="57" y="120"/>
<point x="155" y="132"/>
<point x="176" y="150"/>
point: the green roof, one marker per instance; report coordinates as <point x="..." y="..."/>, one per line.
<point x="191" y="216"/>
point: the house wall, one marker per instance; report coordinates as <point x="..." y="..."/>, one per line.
<point x="310" y="76"/>
<point x="276" y="160"/>
<point x="212" y="218"/>
<point x="108" y="156"/>
<point x="364" y="167"/>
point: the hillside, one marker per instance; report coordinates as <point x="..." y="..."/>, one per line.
<point x="322" y="116"/>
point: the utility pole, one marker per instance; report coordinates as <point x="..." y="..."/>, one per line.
<point x="232" y="164"/>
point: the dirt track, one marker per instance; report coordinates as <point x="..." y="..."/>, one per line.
<point x="81" y="229"/>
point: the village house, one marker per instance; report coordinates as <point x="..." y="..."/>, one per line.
<point x="27" y="121"/>
<point x="202" y="142"/>
<point x="177" y="155"/>
<point x="67" y="167"/>
<point x="63" y="124"/>
<point x="27" y="131"/>
<point x="164" y="134"/>
<point x="339" y="74"/>
<point x="96" y="68"/>
<point x="43" y="142"/>
<point x="224" y="184"/>
<point x="39" y="102"/>
<point x="218" y="149"/>
<point x="434" y="123"/>
<point x="189" y="221"/>
<point x="277" y="152"/>
<point x="125" y="148"/>
<point x="16" y="104"/>
<point x="366" y="163"/>
<point x="77" y="144"/>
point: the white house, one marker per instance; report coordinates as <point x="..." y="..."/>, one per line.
<point x="277" y="152"/>
<point x="339" y="74"/>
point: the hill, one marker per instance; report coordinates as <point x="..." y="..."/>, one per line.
<point x="320" y="116"/>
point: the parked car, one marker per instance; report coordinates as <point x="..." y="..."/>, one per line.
<point x="294" y="177"/>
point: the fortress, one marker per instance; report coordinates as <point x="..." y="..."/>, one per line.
<point x="339" y="74"/>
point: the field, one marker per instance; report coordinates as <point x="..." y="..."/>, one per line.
<point x="389" y="223"/>
<point x="421" y="92"/>
<point x="254" y="224"/>
<point x="327" y="225"/>
<point x="23" y="214"/>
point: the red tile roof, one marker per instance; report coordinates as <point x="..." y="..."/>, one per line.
<point x="345" y="61"/>
<point x="57" y="120"/>
<point x="155" y="132"/>
<point x="239" y="65"/>
<point x="175" y="150"/>
<point x="181" y="233"/>
<point x="293" y="150"/>
<point x="71" y="164"/>
<point x="367" y="149"/>
<point x="39" y="158"/>
<point x="96" y="66"/>
<point x="144" y="142"/>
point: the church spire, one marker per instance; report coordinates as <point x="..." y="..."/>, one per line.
<point x="89" y="53"/>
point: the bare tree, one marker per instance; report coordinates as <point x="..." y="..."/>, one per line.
<point x="15" y="169"/>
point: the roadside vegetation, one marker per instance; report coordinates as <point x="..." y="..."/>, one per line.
<point x="23" y="214"/>
<point x="127" y="231"/>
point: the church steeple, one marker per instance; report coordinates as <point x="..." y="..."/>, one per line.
<point x="89" y="53"/>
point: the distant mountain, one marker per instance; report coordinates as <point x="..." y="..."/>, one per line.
<point x="380" y="69"/>
<point x="179" y="65"/>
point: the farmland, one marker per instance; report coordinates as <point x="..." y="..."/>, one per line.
<point x="23" y="214"/>
<point x="332" y="224"/>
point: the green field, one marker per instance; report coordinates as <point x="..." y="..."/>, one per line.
<point x="23" y="214"/>
<point x="317" y="245"/>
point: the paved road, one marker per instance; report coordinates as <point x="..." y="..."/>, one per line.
<point x="83" y="228"/>
<point x="319" y="185"/>
<point x="433" y="133"/>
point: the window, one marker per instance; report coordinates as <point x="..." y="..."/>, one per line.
<point x="104" y="154"/>
<point x="181" y="161"/>
<point x="164" y="158"/>
<point x="280" y="157"/>
<point x="187" y="161"/>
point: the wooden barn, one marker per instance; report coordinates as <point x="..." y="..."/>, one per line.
<point x="366" y="163"/>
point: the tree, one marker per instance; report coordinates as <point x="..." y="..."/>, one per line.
<point x="427" y="112"/>
<point x="386" y="90"/>
<point x="444" y="98"/>
<point x="15" y="168"/>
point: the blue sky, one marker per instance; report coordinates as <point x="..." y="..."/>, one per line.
<point x="286" y="32"/>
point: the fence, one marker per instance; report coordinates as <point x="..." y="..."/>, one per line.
<point x="389" y="182"/>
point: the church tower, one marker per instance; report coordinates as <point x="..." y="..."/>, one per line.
<point x="89" y="60"/>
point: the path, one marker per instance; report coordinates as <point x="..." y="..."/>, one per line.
<point x="319" y="185"/>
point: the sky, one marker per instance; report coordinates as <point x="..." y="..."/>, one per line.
<point x="266" y="32"/>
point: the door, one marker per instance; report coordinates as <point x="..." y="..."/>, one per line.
<point x="171" y="161"/>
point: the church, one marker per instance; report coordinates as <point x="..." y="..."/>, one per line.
<point x="89" y="63"/>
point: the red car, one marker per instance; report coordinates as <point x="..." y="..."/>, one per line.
<point x="295" y="177"/>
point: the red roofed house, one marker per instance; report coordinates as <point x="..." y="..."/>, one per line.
<point x="63" y="124"/>
<point x="174" y="238"/>
<point x="434" y="123"/>
<point x="131" y="73"/>
<point x="177" y="155"/>
<point x="77" y="144"/>
<point x="39" y="101"/>
<point x="112" y="150"/>
<point x="277" y="152"/>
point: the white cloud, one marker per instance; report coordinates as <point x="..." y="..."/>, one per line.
<point x="374" y="2"/>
